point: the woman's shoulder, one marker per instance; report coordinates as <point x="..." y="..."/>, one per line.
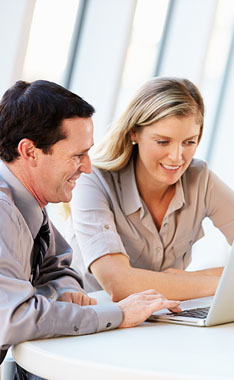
<point x="102" y="174"/>
<point x="101" y="179"/>
<point x="95" y="175"/>
<point x="197" y="171"/>
<point x="197" y="167"/>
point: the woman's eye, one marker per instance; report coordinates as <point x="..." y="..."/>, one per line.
<point x="190" y="142"/>
<point x="162" y="142"/>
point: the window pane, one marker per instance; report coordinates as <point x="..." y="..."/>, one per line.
<point x="214" y="70"/>
<point x="49" y="40"/>
<point x="148" y="24"/>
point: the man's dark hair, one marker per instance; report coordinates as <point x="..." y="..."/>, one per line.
<point x="36" y="111"/>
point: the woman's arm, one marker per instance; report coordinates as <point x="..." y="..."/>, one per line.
<point x="217" y="271"/>
<point x="119" y="279"/>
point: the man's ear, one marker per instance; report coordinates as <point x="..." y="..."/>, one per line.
<point x="28" y="151"/>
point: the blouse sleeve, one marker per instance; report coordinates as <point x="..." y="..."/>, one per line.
<point x="93" y="219"/>
<point x="220" y="206"/>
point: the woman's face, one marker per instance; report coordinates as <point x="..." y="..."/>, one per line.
<point x="165" y="149"/>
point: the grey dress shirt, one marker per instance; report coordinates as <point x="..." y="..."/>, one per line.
<point x="28" y="312"/>
<point x="109" y="216"/>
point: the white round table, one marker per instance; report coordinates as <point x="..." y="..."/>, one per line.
<point x="150" y="351"/>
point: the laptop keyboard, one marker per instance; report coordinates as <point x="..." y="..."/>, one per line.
<point x="200" y="312"/>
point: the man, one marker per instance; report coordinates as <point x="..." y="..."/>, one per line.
<point x="45" y="136"/>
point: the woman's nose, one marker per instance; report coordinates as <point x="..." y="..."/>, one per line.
<point x="176" y="153"/>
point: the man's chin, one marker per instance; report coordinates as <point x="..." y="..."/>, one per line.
<point x="65" y="198"/>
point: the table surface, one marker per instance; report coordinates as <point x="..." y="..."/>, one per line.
<point x="150" y="351"/>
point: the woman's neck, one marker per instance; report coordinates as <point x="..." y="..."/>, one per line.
<point x="156" y="196"/>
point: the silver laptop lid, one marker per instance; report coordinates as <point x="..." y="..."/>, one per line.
<point x="222" y="307"/>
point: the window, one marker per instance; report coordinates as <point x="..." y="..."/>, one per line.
<point x="214" y="75"/>
<point x="49" y="40"/>
<point x="143" y="49"/>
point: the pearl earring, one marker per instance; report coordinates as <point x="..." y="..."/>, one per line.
<point x="133" y="142"/>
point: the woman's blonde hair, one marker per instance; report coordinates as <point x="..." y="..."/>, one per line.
<point x="157" y="99"/>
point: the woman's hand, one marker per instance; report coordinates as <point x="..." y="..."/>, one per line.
<point x="78" y="298"/>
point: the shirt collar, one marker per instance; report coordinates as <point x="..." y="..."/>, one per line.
<point x="131" y="199"/>
<point x="178" y="200"/>
<point x="23" y="199"/>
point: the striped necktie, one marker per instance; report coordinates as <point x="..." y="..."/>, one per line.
<point x="41" y="246"/>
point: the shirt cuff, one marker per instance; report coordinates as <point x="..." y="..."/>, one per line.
<point x="109" y="316"/>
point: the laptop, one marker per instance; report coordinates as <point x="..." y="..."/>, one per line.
<point x="206" y="311"/>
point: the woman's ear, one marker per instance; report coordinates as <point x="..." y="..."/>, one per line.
<point x="133" y="135"/>
<point x="28" y="151"/>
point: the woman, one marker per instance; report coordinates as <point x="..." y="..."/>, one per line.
<point x="138" y="214"/>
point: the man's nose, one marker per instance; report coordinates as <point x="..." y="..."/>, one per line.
<point x="86" y="166"/>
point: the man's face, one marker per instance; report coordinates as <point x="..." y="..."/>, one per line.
<point x="56" y="173"/>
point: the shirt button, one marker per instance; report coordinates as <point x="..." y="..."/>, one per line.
<point x="191" y="242"/>
<point x="158" y="249"/>
<point x="108" y="325"/>
<point x="76" y="328"/>
<point x="165" y="225"/>
<point x="106" y="226"/>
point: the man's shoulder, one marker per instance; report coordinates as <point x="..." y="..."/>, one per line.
<point x="5" y="193"/>
<point x="8" y="210"/>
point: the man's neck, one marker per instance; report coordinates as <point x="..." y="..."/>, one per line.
<point x="23" y="175"/>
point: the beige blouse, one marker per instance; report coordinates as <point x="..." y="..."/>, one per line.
<point x="109" y="216"/>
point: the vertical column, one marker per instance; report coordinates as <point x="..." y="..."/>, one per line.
<point x="15" y="22"/>
<point x="186" y="39"/>
<point x="100" y="57"/>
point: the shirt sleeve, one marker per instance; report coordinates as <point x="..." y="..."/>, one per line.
<point x="56" y="275"/>
<point x="25" y="314"/>
<point x="93" y="219"/>
<point x="220" y="206"/>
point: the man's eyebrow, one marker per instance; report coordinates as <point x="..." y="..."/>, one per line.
<point x="86" y="150"/>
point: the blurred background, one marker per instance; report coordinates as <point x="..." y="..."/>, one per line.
<point x="104" y="50"/>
